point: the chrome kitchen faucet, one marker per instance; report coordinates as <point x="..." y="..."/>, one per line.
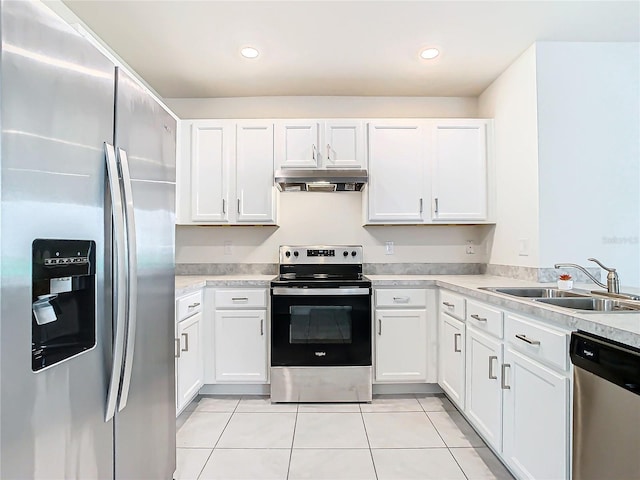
<point x="613" y="283"/>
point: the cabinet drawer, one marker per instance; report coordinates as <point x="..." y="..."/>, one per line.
<point x="249" y="298"/>
<point x="452" y="304"/>
<point x="188" y="305"/>
<point x="538" y="341"/>
<point x="401" y="298"/>
<point x="485" y="318"/>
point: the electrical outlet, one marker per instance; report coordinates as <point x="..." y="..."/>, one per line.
<point x="228" y="247"/>
<point x="389" y="250"/>
<point x="470" y="248"/>
<point x="523" y="247"/>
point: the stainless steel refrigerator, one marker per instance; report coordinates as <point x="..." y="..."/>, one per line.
<point x="87" y="182"/>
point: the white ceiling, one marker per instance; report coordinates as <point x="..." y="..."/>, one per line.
<point x="191" y="48"/>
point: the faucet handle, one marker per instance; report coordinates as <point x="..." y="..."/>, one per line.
<point x="601" y="265"/>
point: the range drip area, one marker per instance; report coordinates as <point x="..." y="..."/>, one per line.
<point x="63" y="295"/>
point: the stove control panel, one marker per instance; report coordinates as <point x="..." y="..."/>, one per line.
<point x="344" y="254"/>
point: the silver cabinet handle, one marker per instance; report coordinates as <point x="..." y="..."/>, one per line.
<point x="421" y="205"/>
<point x="261" y="327"/>
<point x="132" y="277"/>
<point x="177" y="354"/>
<point x="313" y="152"/>
<point x="238" y="205"/>
<point x="328" y="152"/>
<point x="478" y="317"/>
<point x="455" y="342"/>
<point x="447" y="304"/>
<point x="401" y="299"/>
<point x="491" y="374"/>
<point x="503" y="384"/>
<point x="194" y="305"/>
<point x="239" y="299"/>
<point x="186" y="342"/>
<point x="524" y="338"/>
<point x="224" y="206"/>
<point x="379" y="326"/>
<point x="120" y="280"/>
<point x="436" y="202"/>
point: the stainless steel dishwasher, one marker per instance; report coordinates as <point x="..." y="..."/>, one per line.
<point x="606" y="409"/>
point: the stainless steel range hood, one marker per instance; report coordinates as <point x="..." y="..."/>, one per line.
<point x="326" y="180"/>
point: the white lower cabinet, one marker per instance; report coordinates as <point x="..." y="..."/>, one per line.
<point x="401" y="345"/>
<point x="240" y="336"/>
<point x="189" y="361"/>
<point x="484" y="395"/>
<point x="451" y="358"/>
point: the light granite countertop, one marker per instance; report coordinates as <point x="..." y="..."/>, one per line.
<point x="621" y="327"/>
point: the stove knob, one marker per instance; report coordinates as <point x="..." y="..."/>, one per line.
<point x="345" y="253"/>
<point x="353" y="254"/>
<point x="288" y="254"/>
<point x="295" y="254"/>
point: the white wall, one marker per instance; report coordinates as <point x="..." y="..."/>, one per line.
<point x="589" y="154"/>
<point x="334" y="218"/>
<point x="511" y="101"/>
<point x="329" y="218"/>
<point x="324" y="107"/>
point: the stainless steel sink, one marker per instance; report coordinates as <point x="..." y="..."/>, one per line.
<point x="535" y="292"/>
<point x="592" y="304"/>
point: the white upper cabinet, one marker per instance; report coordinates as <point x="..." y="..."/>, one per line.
<point x="298" y="144"/>
<point x="396" y="189"/>
<point x="459" y="170"/>
<point x="255" y="192"/>
<point x="344" y="144"/>
<point x="320" y="144"/>
<point x="225" y="172"/>
<point x="211" y="145"/>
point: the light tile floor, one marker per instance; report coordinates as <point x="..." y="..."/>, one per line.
<point x="393" y="438"/>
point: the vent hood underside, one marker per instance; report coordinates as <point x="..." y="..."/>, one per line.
<point x="328" y="180"/>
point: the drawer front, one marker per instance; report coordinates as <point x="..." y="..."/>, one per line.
<point x="539" y="341"/>
<point x="188" y="305"/>
<point x="485" y="318"/>
<point x="246" y="298"/>
<point x="452" y="304"/>
<point x="401" y="297"/>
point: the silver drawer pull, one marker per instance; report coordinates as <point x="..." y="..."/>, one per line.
<point x="447" y="304"/>
<point x="455" y="342"/>
<point x="504" y="385"/>
<point x="177" y="354"/>
<point x="194" y="305"/>
<point x="401" y="299"/>
<point x="491" y="374"/>
<point x="478" y="317"/>
<point x="523" y="337"/>
<point x="239" y="299"/>
<point x="186" y="342"/>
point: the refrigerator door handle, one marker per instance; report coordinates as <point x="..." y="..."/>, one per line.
<point x="120" y="291"/>
<point x="132" y="277"/>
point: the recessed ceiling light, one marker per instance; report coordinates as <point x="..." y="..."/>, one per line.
<point x="429" y="53"/>
<point x="249" y="52"/>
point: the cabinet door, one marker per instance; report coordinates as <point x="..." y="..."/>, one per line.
<point x="459" y="163"/>
<point x="343" y="145"/>
<point x="483" y="392"/>
<point x="240" y="346"/>
<point x="255" y="191"/>
<point x="401" y="345"/>
<point x="536" y="419"/>
<point x="395" y="189"/>
<point x="297" y="144"/>
<point x="451" y="358"/>
<point x="211" y="145"/>
<point x="190" y="367"/>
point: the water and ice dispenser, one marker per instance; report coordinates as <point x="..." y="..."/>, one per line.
<point x="63" y="321"/>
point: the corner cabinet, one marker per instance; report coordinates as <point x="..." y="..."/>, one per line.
<point x="451" y="348"/>
<point x="225" y="172"/>
<point x="429" y="171"/>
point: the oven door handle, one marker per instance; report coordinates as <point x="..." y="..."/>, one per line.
<point x="320" y="291"/>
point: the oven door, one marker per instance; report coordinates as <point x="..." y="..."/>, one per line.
<point x="320" y="326"/>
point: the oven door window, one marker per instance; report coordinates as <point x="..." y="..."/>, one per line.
<point x="318" y="324"/>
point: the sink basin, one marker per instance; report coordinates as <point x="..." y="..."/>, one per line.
<point x="535" y="292"/>
<point x="591" y="304"/>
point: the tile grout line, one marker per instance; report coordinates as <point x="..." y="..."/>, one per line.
<point x="293" y="439"/>
<point x="375" y="471"/>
